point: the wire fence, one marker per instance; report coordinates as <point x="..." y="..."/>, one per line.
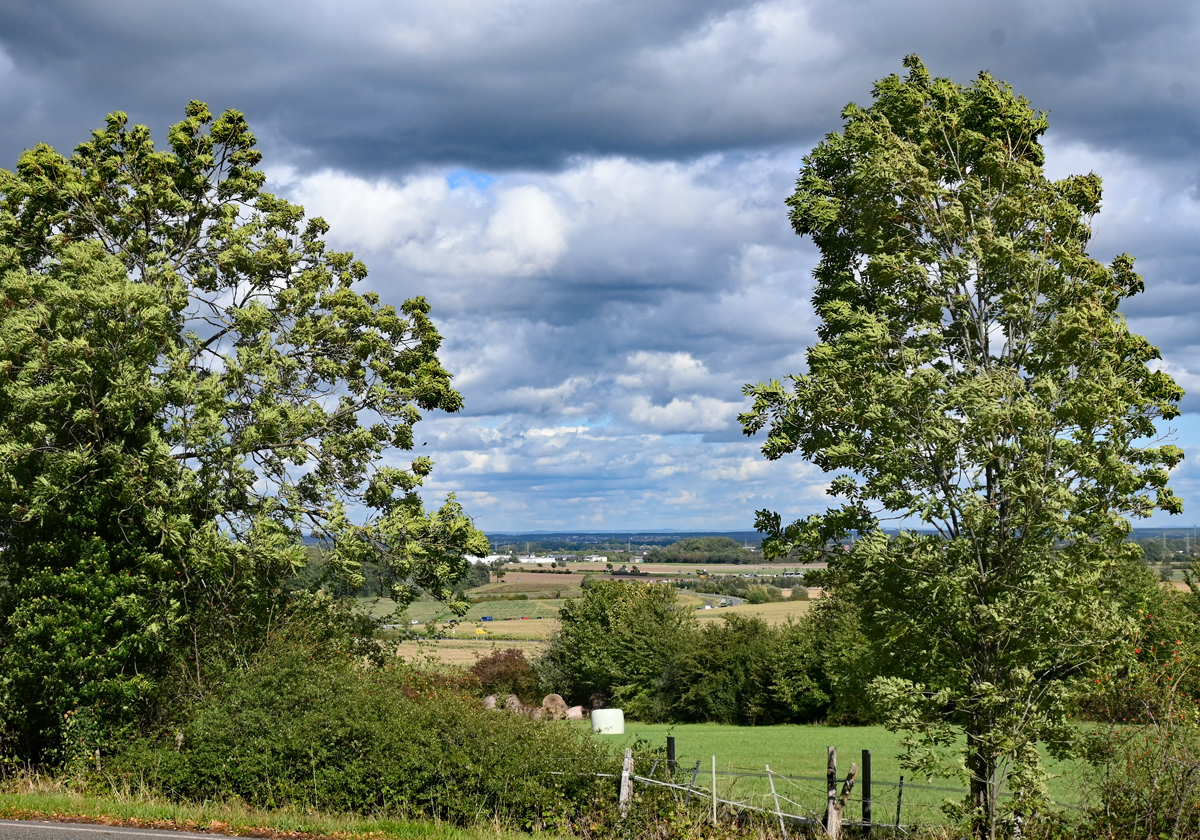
<point x="797" y="800"/>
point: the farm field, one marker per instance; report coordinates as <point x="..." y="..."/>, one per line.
<point x="465" y="652"/>
<point x="426" y="610"/>
<point x="776" y="613"/>
<point x="537" y="618"/>
<point x="678" y="569"/>
<point x="801" y="751"/>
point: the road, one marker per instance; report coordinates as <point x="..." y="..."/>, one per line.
<point x="733" y="602"/>
<point x="27" y="830"/>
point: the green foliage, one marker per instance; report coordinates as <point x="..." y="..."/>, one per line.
<point x="308" y="727"/>
<point x="740" y="587"/>
<point x="615" y="642"/>
<point x="724" y="675"/>
<point x="1145" y="759"/>
<point x="631" y="644"/>
<point x="505" y="672"/>
<point x="973" y="374"/>
<point x="701" y="550"/>
<point x="189" y="381"/>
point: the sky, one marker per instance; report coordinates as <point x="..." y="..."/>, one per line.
<point x="590" y="194"/>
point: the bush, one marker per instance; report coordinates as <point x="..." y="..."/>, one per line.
<point x="507" y="672"/>
<point x="1145" y="763"/>
<point x="296" y="730"/>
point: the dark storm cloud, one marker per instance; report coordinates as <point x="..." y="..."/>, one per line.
<point x="385" y="87"/>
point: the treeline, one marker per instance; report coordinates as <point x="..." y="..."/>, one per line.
<point x="635" y="646"/>
<point x="751" y="589"/>
<point x="703" y="550"/>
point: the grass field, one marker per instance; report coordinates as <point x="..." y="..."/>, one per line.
<point x="426" y="609"/>
<point x="465" y="652"/>
<point x="48" y="800"/>
<point x="777" y="613"/>
<point x="802" y="751"/>
<point x="540" y="614"/>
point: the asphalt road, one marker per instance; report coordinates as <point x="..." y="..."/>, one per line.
<point x="26" y="830"/>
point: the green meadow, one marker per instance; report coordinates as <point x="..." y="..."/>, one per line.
<point x="796" y="750"/>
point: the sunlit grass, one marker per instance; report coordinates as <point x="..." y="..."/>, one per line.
<point x="38" y="797"/>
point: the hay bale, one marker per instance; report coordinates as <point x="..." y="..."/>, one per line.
<point x="512" y="703"/>
<point x="490" y="701"/>
<point x="575" y="713"/>
<point x="555" y="706"/>
<point x="536" y="713"/>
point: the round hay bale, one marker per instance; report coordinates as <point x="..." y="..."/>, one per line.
<point x="575" y="713"/>
<point x="512" y="703"/>
<point x="536" y="713"/>
<point x="490" y="701"/>
<point x="555" y="706"/>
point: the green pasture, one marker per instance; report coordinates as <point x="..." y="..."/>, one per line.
<point x="794" y="750"/>
<point x="425" y="610"/>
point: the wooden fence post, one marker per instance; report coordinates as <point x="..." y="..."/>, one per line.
<point x="695" y="773"/>
<point x="626" y="782"/>
<point x="866" y="792"/>
<point x="831" y="826"/>
<point x="899" y="801"/>
<point x="670" y="753"/>
<point x="836" y="805"/>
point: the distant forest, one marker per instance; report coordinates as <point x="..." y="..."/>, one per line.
<point x="576" y="541"/>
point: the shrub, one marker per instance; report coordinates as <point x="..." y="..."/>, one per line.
<point x="507" y="672"/>
<point x="1145" y="763"/>
<point x="297" y="730"/>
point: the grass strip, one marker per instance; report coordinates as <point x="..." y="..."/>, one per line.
<point x="236" y="819"/>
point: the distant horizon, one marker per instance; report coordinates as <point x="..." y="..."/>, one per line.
<point x="1182" y="530"/>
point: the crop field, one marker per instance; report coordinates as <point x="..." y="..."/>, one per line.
<point x="464" y="652"/>
<point x="532" y="584"/>
<point x="802" y="751"/>
<point x="537" y="618"/>
<point x="677" y="569"/>
<point x="776" y="613"/>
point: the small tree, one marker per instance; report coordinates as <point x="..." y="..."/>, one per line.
<point x="973" y="376"/>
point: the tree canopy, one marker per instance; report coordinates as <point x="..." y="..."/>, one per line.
<point x="974" y="383"/>
<point x="191" y="382"/>
<point x="701" y="550"/>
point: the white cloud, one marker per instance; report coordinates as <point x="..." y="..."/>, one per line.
<point x="697" y="414"/>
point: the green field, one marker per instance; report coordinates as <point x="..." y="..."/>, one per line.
<point x="427" y="609"/>
<point x="802" y="751"/>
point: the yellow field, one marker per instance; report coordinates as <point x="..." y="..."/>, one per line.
<point x="464" y="652"/>
<point x="777" y="613"/>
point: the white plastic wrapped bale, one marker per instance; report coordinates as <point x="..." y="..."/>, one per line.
<point x="608" y="722"/>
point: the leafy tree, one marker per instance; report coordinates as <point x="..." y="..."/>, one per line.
<point x="701" y="550"/>
<point x="724" y="675"/>
<point x="615" y="643"/>
<point x="190" y="381"/>
<point x="974" y="375"/>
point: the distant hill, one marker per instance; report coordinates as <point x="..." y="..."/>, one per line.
<point x="551" y="541"/>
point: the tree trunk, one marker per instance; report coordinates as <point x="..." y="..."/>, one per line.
<point x="982" y="766"/>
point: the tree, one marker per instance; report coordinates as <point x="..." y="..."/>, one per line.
<point x="616" y="642"/>
<point x="701" y="550"/>
<point x="190" y="382"/>
<point x="973" y="378"/>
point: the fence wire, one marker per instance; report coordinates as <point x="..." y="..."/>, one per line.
<point x="796" y="799"/>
